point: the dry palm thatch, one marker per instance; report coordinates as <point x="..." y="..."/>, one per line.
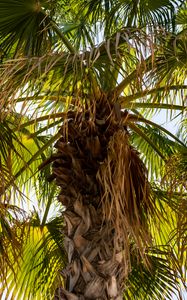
<point x="105" y="191"/>
<point x="126" y="196"/>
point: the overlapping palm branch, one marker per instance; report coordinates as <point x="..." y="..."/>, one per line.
<point x="57" y="57"/>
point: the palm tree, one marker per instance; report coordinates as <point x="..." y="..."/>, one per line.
<point x="110" y="157"/>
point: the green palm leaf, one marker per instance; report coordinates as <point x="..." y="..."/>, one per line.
<point x="37" y="271"/>
<point x="24" y="28"/>
<point x="160" y="283"/>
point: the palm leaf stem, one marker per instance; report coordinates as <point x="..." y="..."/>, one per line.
<point x="33" y="158"/>
<point x="63" y="38"/>
<point x="145" y="65"/>
<point x="132" y="105"/>
<point x="38" y="98"/>
<point x="43" y="118"/>
<point x="127" y="80"/>
<point x="152" y="91"/>
<point x="48" y="205"/>
<point x="45" y="128"/>
<point x="162" y="129"/>
<point x="147" y="139"/>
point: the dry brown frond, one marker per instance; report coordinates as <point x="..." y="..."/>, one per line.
<point x="126" y="200"/>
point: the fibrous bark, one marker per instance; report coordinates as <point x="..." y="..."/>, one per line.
<point x="106" y="197"/>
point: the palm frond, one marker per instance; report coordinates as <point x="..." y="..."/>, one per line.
<point x="24" y="28"/>
<point x="11" y="218"/>
<point x="170" y="59"/>
<point x="170" y="228"/>
<point x="160" y="282"/>
<point x="148" y="140"/>
<point x="118" y="14"/>
<point x="36" y="272"/>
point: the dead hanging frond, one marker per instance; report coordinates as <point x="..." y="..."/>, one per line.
<point x="126" y="201"/>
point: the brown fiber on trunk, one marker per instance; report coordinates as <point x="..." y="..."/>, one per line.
<point x="106" y="197"/>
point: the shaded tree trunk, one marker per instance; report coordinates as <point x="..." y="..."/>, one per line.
<point x="105" y="203"/>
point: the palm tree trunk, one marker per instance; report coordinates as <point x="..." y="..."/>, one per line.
<point x="96" y="204"/>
